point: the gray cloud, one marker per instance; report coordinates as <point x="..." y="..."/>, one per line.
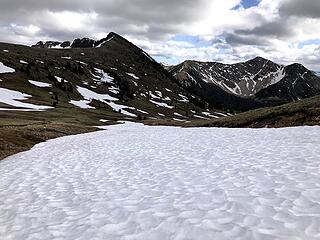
<point x="245" y="39"/>
<point x="278" y="29"/>
<point x="151" y="18"/>
<point x="301" y="8"/>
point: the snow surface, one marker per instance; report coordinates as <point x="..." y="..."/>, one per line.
<point x="137" y="182"/>
<point x="103" y="76"/>
<point x="11" y="97"/>
<point x="88" y="95"/>
<point x="133" y="75"/>
<point x="161" y="104"/>
<point x="59" y="79"/>
<point x="40" y="84"/>
<point x="84" y="104"/>
<point x="108" y="40"/>
<point x="5" y="69"/>
<point x="23" y="62"/>
<point x="201" y="117"/>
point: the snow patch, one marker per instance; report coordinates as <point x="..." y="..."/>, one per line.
<point x="84" y="104"/>
<point x="279" y="76"/>
<point x="13" y="98"/>
<point x="133" y="75"/>
<point x="104" y="120"/>
<point x="89" y="95"/>
<point x="40" y="84"/>
<point x="5" y="69"/>
<point x="108" y="40"/>
<point x="103" y="76"/>
<point x="161" y="104"/>
<point x="59" y="79"/>
<point x="23" y="62"/>
<point x="201" y="117"/>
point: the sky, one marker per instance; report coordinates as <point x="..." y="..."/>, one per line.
<point x="285" y="31"/>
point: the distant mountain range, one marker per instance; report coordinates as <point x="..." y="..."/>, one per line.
<point x="114" y="79"/>
<point x="254" y="83"/>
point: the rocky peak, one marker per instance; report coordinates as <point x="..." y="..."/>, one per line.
<point x="77" y="43"/>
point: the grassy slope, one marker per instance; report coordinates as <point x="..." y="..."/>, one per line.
<point x="304" y="112"/>
<point x="22" y="135"/>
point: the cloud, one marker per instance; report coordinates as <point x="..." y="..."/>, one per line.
<point x="213" y="30"/>
<point x="305" y="8"/>
<point x="151" y="18"/>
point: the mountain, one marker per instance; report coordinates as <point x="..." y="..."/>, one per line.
<point x="113" y="79"/>
<point x="77" y="43"/>
<point x="103" y="80"/>
<point x="254" y="83"/>
<point x="52" y="44"/>
<point x="297" y="83"/>
<point x="317" y="73"/>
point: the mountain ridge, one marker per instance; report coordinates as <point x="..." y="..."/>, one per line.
<point x="247" y="79"/>
<point x="84" y="42"/>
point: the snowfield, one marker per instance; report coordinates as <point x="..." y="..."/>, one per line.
<point x="137" y="182"/>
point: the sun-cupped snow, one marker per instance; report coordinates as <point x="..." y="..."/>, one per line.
<point x="40" y="84"/>
<point x="5" y="69"/>
<point x="138" y="182"/>
<point x="13" y="98"/>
